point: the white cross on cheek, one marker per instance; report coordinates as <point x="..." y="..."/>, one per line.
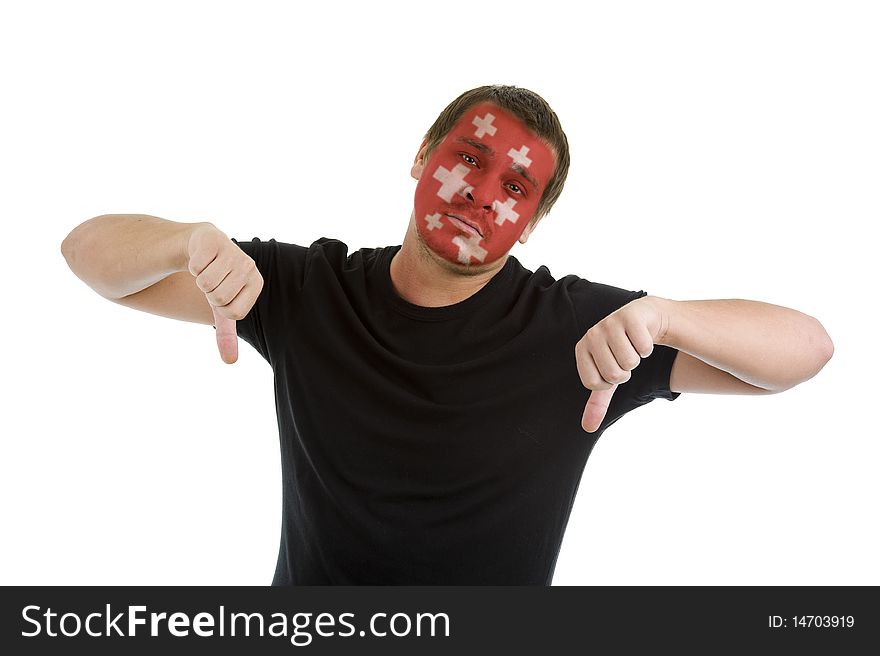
<point x="433" y="221"/>
<point x="519" y="156"/>
<point x="505" y="211"/>
<point x="484" y="125"/>
<point x="452" y="181"/>
<point x="468" y="248"/>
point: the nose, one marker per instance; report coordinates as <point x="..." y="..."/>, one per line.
<point x="480" y="197"/>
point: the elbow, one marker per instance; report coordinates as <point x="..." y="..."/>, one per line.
<point x="78" y="250"/>
<point x="822" y="345"/>
<point x="73" y="244"/>
<point x="69" y="247"/>
<point x="819" y="351"/>
<point x="815" y="355"/>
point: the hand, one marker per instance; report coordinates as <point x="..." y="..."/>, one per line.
<point x="612" y="348"/>
<point x="230" y="280"/>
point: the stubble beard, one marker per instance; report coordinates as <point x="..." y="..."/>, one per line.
<point x="457" y="268"/>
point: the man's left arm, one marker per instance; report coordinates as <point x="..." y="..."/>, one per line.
<point x="727" y="346"/>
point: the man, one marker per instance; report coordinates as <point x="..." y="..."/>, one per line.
<point x="433" y="397"/>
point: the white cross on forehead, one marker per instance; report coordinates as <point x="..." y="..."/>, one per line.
<point x="433" y="221"/>
<point x="468" y="248"/>
<point x="484" y="125"/>
<point x="519" y="156"/>
<point x="505" y="211"/>
<point x="452" y="181"/>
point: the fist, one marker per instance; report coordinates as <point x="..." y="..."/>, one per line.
<point x="611" y="349"/>
<point x="228" y="277"/>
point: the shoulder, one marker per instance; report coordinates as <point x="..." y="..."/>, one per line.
<point x="334" y="254"/>
<point x="327" y="251"/>
<point x="576" y="287"/>
<point x="591" y="301"/>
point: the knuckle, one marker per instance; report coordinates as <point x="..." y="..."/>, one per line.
<point x="630" y="363"/>
<point x="240" y="309"/>
<point x="596" y="382"/>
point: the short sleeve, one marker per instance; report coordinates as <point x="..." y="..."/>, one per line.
<point x="283" y="268"/>
<point x="650" y="380"/>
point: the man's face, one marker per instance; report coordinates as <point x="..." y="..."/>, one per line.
<point x="481" y="186"/>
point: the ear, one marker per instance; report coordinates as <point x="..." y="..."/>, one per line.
<point x="524" y="237"/>
<point x="419" y="162"/>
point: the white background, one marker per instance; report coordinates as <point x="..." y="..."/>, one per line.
<point x="719" y="150"/>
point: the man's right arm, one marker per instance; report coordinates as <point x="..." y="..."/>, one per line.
<point x="186" y="271"/>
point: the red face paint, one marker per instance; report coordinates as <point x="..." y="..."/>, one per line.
<point x="481" y="186"/>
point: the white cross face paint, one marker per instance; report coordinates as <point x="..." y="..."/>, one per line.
<point x="484" y="125"/>
<point x="504" y="212"/>
<point x="469" y="248"/>
<point x="451" y="182"/>
<point x="519" y="156"/>
<point x="481" y="186"/>
<point x="433" y="221"/>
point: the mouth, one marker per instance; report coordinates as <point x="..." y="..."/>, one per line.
<point x="465" y="226"/>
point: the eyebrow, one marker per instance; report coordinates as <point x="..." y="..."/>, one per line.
<point x="518" y="168"/>
<point x="528" y="176"/>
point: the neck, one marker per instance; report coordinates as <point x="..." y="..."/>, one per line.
<point x="423" y="278"/>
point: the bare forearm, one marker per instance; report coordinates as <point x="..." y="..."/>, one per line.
<point x="120" y="254"/>
<point x="766" y="345"/>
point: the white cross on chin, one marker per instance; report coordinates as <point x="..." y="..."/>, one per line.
<point x="434" y="221"/>
<point x="505" y="211"/>
<point x="452" y="181"/>
<point x="519" y="156"/>
<point x="468" y="248"/>
<point x="484" y="125"/>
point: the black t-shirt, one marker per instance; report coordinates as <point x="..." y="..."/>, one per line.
<point x="423" y="445"/>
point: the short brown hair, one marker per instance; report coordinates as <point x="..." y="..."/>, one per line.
<point x="527" y="106"/>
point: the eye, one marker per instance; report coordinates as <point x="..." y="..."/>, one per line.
<point x="470" y="160"/>
<point x="516" y="189"/>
